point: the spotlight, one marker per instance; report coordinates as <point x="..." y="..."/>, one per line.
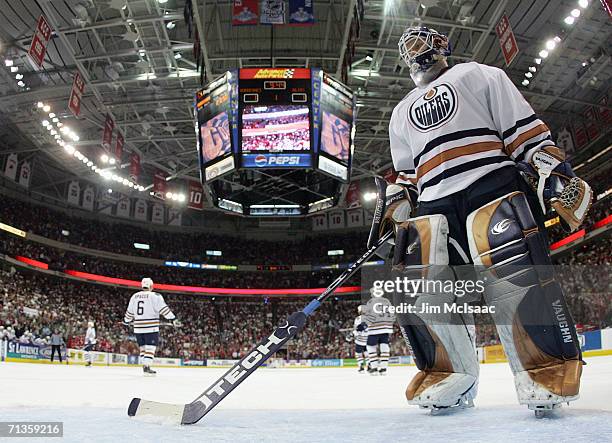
<point x="582" y="3"/>
<point x="550" y="44"/>
<point x="8" y="62"/>
<point x="18" y="76"/>
<point x="170" y="25"/>
<point x="532" y="68"/>
<point x="69" y="149"/>
<point x="110" y="191"/>
<point x="525" y="82"/>
<point x="40" y="105"/>
<point x="181" y="197"/>
<point x="168" y="194"/>
<point x="537" y="61"/>
<point x="111" y="161"/>
<point x="20" y="83"/>
<point x="575" y="13"/>
<point x="46" y="108"/>
<point x="104" y="158"/>
<point x="45" y="123"/>
<point x="543" y="53"/>
<point x="14" y="69"/>
<point x="557" y="39"/>
<point x="56" y="120"/>
<point x="51" y="115"/>
<point x="90" y="163"/>
<point x="178" y="56"/>
<point x="528" y="74"/>
<point x="569" y="20"/>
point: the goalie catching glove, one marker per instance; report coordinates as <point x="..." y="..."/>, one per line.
<point x="556" y="183"/>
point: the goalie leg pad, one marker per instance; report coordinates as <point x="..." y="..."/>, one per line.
<point x="441" y="343"/>
<point x="531" y="316"/>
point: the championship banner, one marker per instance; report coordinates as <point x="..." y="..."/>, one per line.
<point x="105" y="206"/>
<point x="119" y="146"/>
<point x="25" y="173"/>
<point x="109" y="125"/>
<point x="134" y="167"/>
<point x="354" y="218"/>
<point x="38" y="47"/>
<point x="74" y="192"/>
<point x="245" y="12"/>
<point x="10" y="167"/>
<point x="591" y="116"/>
<point x="319" y="222"/>
<point x="159" y="185"/>
<point x="123" y="207"/>
<point x="352" y="195"/>
<point x="140" y="210"/>
<point x="272" y="12"/>
<point x="606" y="114"/>
<point x="196" y="196"/>
<point x="301" y="12"/>
<point x="336" y="219"/>
<point x="78" y="87"/>
<point x="88" y="198"/>
<point x="507" y="41"/>
<point x="580" y="135"/>
<point x="157" y="214"/>
<point x="174" y="217"/>
<point x="565" y="142"/>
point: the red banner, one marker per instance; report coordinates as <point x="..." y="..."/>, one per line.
<point x="159" y="184"/>
<point x="506" y="39"/>
<point x="38" y="47"/>
<point x="78" y="87"/>
<point x="196" y="196"/>
<point x="389" y="175"/>
<point x="119" y="146"/>
<point x="109" y="125"/>
<point x="580" y="135"/>
<point x="352" y="195"/>
<point x="245" y="12"/>
<point x="134" y="167"/>
<point x="606" y="114"/>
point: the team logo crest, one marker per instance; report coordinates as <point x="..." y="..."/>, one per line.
<point x="437" y="106"/>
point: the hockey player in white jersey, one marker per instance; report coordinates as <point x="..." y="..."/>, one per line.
<point x="360" y="333"/>
<point x="143" y="311"/>
<point x="380" y="327"/>
<point x="90" y="341"/>
<point x="478" y="171"/>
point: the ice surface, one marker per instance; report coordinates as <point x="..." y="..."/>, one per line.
<point x="295" y="405"/>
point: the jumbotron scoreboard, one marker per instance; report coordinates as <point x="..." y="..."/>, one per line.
<point x="275" y="141"/>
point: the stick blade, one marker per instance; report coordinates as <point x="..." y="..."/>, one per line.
<point x="163" y="412"/>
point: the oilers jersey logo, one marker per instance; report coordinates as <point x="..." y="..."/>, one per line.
<point x="434" y="108"/>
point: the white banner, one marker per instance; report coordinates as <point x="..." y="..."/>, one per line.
<point x="25" y="173"/>
<point x="123" y="207"/>
<point x="368" y="216"/>
<point x="319" y="222"/>
<point x="140" y="210"/>
<point x="105" y="206"/>
<point x="565" y="142"/>
<point x="336" y="219"/>
<point x="10" y="168"/>
<point x="354" y="218"/>
<point x="157" y="214"/>
<point x="74" y="192"/>
<point x="88" y="198"/>
<point x="174" y="217"/>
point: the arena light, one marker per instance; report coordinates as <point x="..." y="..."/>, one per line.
<point x="69" y="149"/>
<point x="543" y="53"/>
<point x="178" y="56"/>
<point x="181" y="198"/>
<point x="45" y="123"/>
<point x="144" y="246"/>
<point x="583" y="3"/>
<point x="569" y="20"/>
<point x="168" y="194"/>
<point x="575" y="13"/>
<point x="8" y="62"/>
<point x="109" y="190"/>
<point x="551" y="44"/>
<point x="525" y="82"/>
<point x="14" y="69"/>
<point x="19" y="76"/>
<point x="40" y="105"/>
<point x="336" y="252"/>
<point x="111" y="161"/>
<point x="56" y="120"/>
<point x="20" y="83"/>
<point x="104" y="158"/>
<point x="528" y="74"/>
<point x="46" y="108"/>
<point x="170" y="25"/>
<point x="51" y="115"/>
<point x="532" y="68"/>
<point x="537" y="61"/>
<point x="369" y="196"/>
<point x="214" y="253"/>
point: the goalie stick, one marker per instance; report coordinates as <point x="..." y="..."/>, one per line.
<point x="193" y="412"/>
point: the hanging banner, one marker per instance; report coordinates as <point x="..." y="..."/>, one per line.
<point x="580" y="135"/>
<point x="174" y="217"/>
<point x="74" y="192"/>
<point x="105" y="205"/>
<point x="119" y="146"/>
<point x="352" y="195"/>
<point x="591" y="116"/>
<point x="605" y="114"/>
<point x="78" y="87"/>
<point x="196" y="196"/>
<point x="272" y="12"/>
<point x="140" y="210"/>
<point x="389" y="175"/>
<point x="507" y="41"/>
<point x="157" y="213"/>
<point x="301" y="12"/>
<point x="319" y="222"/>
<point x="10" y="167"/>
<point x="245" y="12"/>
<point x="88" y="198"/>
<point x="123" y="207"/>
<point x="159" y="185"/>
<point x="107" y="137"/>
<point x="134" y="167"/>
<point x="25" y="174"/>
<point x="565" y="142"/>
<point x="38" y="47"/>
<point x="354" y="218"/>
<point x="335" y="219"/>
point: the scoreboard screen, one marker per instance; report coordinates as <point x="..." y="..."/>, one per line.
<point x="275" y="120"/>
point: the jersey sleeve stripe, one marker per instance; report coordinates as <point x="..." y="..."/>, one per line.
<point x="525" y="152"/>
<point x="525" y="137"/>
<point x="464" y="167"/>
<point x="520" y="123"/>
<point x="458" y="135"/>
<point x="457" y="152"/>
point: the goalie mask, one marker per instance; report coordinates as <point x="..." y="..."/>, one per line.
<point x="424" y="50"/>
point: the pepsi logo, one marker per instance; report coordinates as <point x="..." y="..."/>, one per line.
<point x="261" y="160"/>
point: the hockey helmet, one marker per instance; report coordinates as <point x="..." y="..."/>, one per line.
<point x="147" y="284"/>
<point x="422" y="48"/>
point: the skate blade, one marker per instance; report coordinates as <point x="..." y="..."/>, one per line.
<point x="545" y="411"/>
<point x="461" y="405"/>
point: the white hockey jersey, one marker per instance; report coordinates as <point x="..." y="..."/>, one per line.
<point x="467" y="123"/>
<point x="90" y="336"/>
<point x="144" y="310"/>
<point x="361" y="337"/>
<point x="378" y="317"/>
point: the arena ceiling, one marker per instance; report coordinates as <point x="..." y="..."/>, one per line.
<point x="143" y="71"/>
